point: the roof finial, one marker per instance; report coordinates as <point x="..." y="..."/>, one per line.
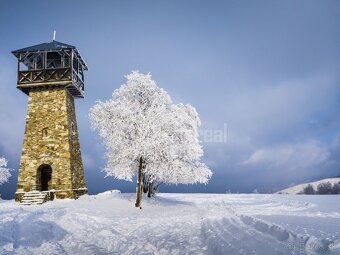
<point x="54" y="34"/>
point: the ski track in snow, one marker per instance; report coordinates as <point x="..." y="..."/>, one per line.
<point x="173" y="224"/>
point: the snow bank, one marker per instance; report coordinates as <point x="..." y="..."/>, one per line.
<point x="109" y="192"/>
<point x="296" y="242"/>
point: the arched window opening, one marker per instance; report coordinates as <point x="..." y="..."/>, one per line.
<point x="44" y="177"/>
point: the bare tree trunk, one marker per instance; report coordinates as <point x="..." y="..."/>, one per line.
<point x="139" y="184"/>
<point x="150" y="189"/>
<point x="145" y="186"/>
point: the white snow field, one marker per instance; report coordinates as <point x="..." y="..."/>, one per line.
<point x="174" y="224"/>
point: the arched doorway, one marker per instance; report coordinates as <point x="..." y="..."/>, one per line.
<point x="45" y="176"/>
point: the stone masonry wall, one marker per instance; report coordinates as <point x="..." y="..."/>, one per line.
<point x="51" y="138"/>
<point x="78" y="181"/>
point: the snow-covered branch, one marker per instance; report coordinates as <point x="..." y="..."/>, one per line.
<point x="4" y="171"/>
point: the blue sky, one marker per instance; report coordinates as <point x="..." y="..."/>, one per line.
<point x="267" y="69"/>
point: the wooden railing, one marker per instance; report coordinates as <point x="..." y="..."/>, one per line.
<point x="32" y="78"/>
<point x="44" y="75"/>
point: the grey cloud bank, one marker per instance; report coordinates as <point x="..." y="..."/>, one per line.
<point x="267" y="69"/>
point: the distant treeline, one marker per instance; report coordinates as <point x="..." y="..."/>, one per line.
<point x="325" y="188"/>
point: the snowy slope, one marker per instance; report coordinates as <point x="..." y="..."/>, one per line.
<point x="298" y="188"/>
<point x="174" y="224"/>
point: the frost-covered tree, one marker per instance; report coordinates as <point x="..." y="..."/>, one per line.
<point x="336" y="188"/>
<point x="145" y="133"/>
<point x="308" y="190"/>
<point x="324" y="188"/>
<point x="4" y="171"/>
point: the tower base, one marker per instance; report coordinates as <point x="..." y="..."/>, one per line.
<point x="58" y="194"/>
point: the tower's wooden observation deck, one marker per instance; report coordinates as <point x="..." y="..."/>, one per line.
<point x="53" y="64"/>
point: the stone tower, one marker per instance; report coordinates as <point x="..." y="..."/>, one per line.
<point x="51" y="75"/>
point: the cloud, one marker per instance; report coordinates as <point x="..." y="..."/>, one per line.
<point x="277" y="112"/>
<point x="276" y="126"/>
<point x="290" y="156"/>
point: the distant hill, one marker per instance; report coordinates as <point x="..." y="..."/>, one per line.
<point x="299" y="188"/>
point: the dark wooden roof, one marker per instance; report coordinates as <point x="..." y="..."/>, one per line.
<point x="54" y="45"/>
<point x="51" y="46"/>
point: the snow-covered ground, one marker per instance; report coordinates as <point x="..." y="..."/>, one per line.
<point x="299" y="188"/>
<point x="174" y="224"/>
